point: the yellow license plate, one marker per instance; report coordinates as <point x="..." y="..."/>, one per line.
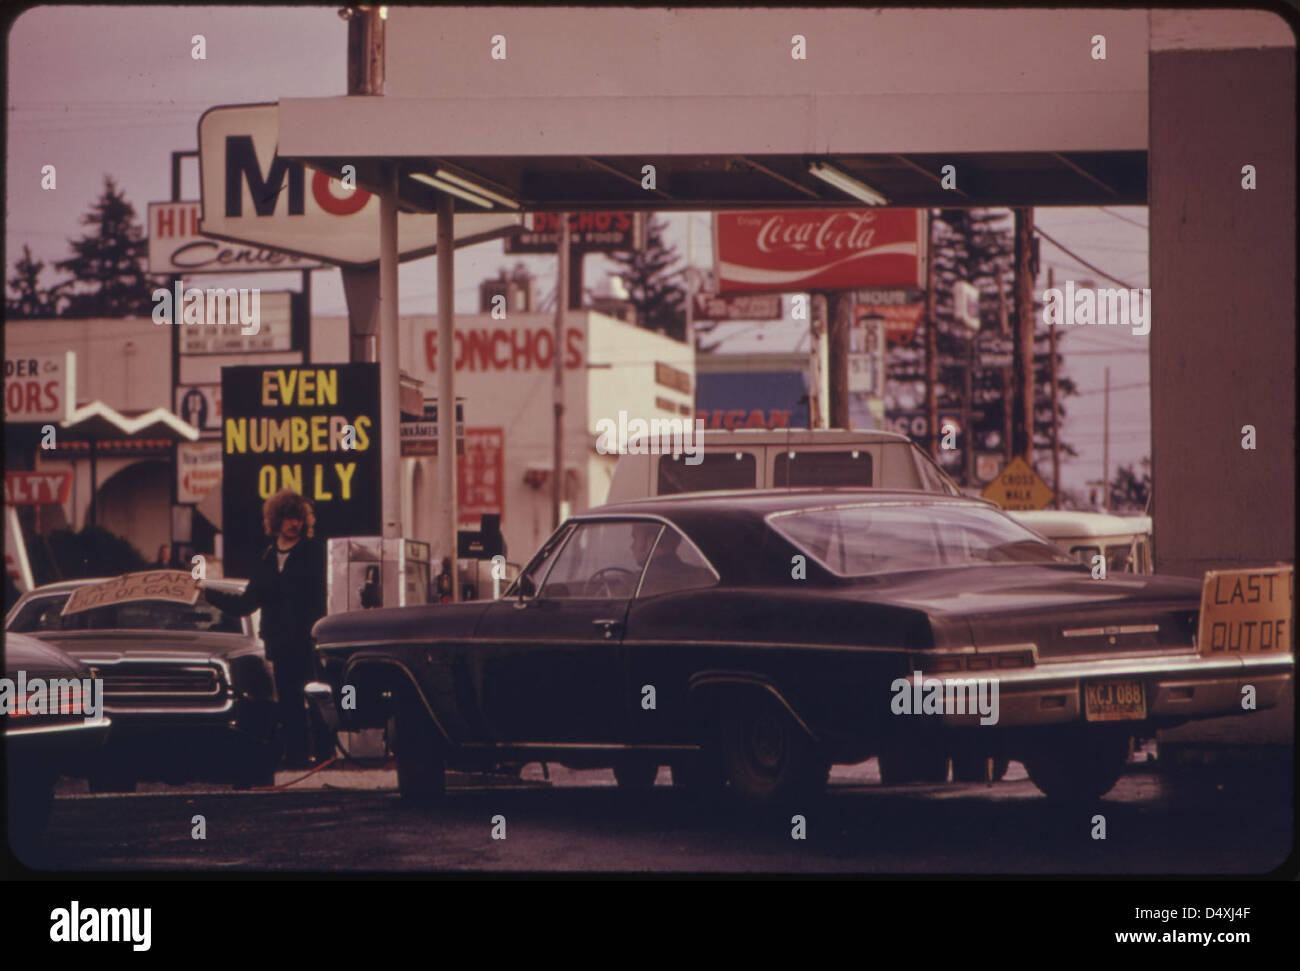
<point x="1110" y="701"/>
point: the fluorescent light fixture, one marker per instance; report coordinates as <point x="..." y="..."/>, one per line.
<point x="475" y="188"/>
<point x="453" y="189"/>
<point x="847" y="184"/>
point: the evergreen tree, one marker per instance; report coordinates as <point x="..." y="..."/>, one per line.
<point x="29" y="301"/>
<point x="656" y="292"/>
<point x="1130" y="489"/>
<point x="107" y="270"/>
<point x="977" y="246"/>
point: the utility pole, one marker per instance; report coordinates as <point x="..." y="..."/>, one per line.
<point x="817" y="363"/>
<point x="1007" y="403"/>
<point x="1023" y="429"/>
<point x="1105" y="448"/>
<point x="840" y="312"/>
<point x="931" y="345"/>
<point x="446" y="379"/>
<point x="1056" y="418"/>
<point x="561" y="317"/>
<point x="968" y="433"/>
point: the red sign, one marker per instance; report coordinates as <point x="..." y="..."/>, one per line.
<point x="498" y="349"/>
<point x="710" y="306"/>
<point x="36" y="488"/>
<point x="480" y="474"/>
<point x="819" y="249"/>
<point x="604" y="232"/>
<point x="734" y="418"/>
<point x="900" y="319"/>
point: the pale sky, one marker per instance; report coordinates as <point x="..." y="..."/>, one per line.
<point x="114" y="90"/>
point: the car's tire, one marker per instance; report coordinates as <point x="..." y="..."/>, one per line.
<point x="1077" y="766"/>
<point x="767" y="759"/>
<point x="636" y="774"/>
<point x="421" y="759"/>
<point x="30" y="805"/>
<point x="971" y="766"/>
<point x="913" y="759"/>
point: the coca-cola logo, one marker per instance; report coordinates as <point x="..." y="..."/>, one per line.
<point x="825" y="233"/>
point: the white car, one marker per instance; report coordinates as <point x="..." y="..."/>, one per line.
<point x="1125" y="541"/>
<point x="780" y="459"/>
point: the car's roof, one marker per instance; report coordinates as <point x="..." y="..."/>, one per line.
<point x="729" y="526"/>
<point x="763" y="502"/>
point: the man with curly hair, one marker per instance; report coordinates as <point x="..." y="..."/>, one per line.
<point x="288" y="584"/>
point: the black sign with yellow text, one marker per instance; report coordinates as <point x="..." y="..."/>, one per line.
<point x="310" y="428"/>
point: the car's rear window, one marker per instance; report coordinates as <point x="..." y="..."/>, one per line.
<point x="856" y="540"/>
<point x="45" y="614"/>
<point x="718" y="470"/>
<point x="847" y="468"/>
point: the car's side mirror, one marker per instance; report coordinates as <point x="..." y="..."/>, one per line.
<point x="526" y="587"/>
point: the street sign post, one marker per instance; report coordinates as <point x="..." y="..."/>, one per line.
<point x="1018" y="487"/>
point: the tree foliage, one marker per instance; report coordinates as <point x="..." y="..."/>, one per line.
<point x="653" y="288"/>
<point x="107" y="268"/>
<point x="977" y="246"/>
<point x="29" y="299"/>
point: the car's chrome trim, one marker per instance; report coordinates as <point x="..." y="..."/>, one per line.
<point x="1112" y="630"/>
<point x="750" y="680"/>
<point x="354" y="663"/>
<point x="181" y="711"/>
<point x="12" y="731"/>
<point x="424" y="641"/>
<point x="585" y="746"/>
<point x="1182" y="666"/>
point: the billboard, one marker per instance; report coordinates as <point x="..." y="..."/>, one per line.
<point x="252" y="195"/>
<point x="40" y="387"/>
<point x="177" y="247"/>
<point x="480" y="475"/>
<point x="818" y="249"/>
<point x="589" y="232"/>
<point x="284" y="426"/>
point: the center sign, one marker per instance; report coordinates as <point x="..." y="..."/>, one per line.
<point x="252" y="195"/>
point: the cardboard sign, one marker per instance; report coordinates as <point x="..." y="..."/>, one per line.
<point x="1247" y="611"/>
<point x="174" y="585"/>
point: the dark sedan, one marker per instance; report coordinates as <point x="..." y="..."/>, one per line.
<point x="53" y="727"/>
<point x="188" y="686"/>
<point x="750" y="640"/>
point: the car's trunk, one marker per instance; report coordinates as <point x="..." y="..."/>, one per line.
<point x="1062" y="610"/>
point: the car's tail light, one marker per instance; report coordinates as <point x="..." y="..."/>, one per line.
<point x="988" y="659"/>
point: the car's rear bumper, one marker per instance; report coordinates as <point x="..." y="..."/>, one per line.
<point x="1176" y="688"/>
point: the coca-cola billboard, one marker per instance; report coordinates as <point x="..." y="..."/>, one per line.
<point x="819" y="249"/>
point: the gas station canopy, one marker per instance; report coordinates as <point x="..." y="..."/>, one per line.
<point x="561" y="109"/>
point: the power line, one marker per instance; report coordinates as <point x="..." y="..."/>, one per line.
<point x="1117" y="387"/>
<point x="1081" y="260"/>
<point x="1121" y="216"/>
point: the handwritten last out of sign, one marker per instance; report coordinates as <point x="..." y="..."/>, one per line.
<point x="1247" y="611"/>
